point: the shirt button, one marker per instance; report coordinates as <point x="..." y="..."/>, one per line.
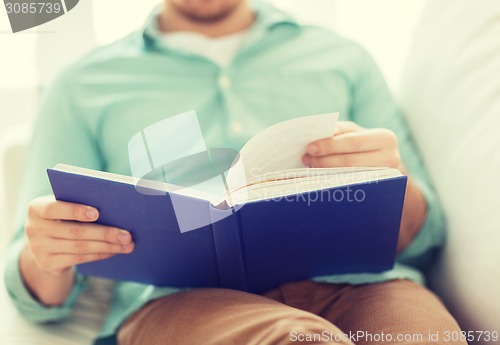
<point x="236" y="127"/>
<point x="224" y="82"/>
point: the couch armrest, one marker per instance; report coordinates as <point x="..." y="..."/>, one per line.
<point x="13" y="146"/>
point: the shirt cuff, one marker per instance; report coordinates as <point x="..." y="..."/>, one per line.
<point x="431" y="235"/>
<point x="24" y="301"/>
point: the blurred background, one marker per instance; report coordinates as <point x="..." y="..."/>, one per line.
<point x="29" y="60"/>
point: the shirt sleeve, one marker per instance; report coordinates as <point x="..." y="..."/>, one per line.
<point x="25" y="303"/>
<point x="60" y="136"/>
<point x="374" y="106"/>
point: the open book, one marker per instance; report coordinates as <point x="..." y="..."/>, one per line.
<point x="274" y="221"/>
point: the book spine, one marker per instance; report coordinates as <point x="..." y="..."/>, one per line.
<point x="228" y="249"/>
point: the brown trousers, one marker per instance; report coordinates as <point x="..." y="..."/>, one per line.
<point x="394" y="312"/>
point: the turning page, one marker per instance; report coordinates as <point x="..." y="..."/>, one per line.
<point x="281" y="146"/>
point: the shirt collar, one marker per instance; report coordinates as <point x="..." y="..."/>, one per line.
<point x="267" y="15"/>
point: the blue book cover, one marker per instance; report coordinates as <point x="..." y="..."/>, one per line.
<point x="252" y="247"/>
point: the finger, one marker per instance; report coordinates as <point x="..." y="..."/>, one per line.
<point x="49" y="208"/>
<point x="364" y="159"/>
<point x="82" y="247"/>
<point x="346" y="127"/>
<point x="62" y="261"/>
<point x="352" y="142"/>
<point x="88" y="232"/>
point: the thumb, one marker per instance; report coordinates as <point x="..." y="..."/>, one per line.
<point x="346" y="127"/>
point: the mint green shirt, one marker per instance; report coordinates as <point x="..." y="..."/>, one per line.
<point x="282" y="70"/>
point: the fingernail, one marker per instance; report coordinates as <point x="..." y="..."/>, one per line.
<point x="312" y="149"/>
<point x="124" y="237"/>
<point x="306" y="160"/>
<point x="92" y="213"/>
<point x="128" y="247"/>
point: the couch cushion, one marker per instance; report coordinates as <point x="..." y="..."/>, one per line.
<point x="451" y="92"/>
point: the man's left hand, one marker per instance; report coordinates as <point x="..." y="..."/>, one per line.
<point x="353" y="145"/>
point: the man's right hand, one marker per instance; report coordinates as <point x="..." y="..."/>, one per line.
<point x="61" y="235"/>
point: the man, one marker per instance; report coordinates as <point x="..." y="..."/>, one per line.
<point x="243" y="67"/>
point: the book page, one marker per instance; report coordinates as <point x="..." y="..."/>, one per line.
<point x="281" y="146"/>
<point x="320" y="179"/>
<point x="291" y="175"/>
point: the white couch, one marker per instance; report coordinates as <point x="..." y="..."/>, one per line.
<point x="451" y="93"/>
